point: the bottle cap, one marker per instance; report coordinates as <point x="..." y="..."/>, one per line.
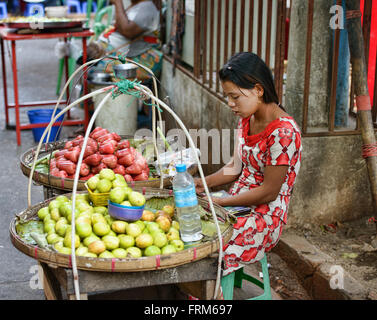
<point x="180" y="167"/>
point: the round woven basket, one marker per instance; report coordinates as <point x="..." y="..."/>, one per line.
<point x="27" y="158"/>
<point x="119" y="265"/>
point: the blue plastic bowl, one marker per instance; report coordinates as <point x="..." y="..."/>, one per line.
<point x="125" y="213"/>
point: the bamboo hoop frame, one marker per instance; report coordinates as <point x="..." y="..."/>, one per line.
<point x="156" y="102"/>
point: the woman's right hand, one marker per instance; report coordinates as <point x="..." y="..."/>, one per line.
<point x="199" y="186"/>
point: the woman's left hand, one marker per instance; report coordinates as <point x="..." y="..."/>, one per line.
<point x="219" y="201"/>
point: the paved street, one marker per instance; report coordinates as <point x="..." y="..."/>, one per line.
<point x="37" y="72"/>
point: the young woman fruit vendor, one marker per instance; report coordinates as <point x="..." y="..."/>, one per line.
<point x="265" y="164"/>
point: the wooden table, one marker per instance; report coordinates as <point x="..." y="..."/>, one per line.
<point x="196" y="278"/>
<point x="11" y="35"/>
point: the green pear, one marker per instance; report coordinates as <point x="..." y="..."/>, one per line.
<point x="106" y="254"/>
<point x="88" y="240"/>
<point x="136" y="199"/>
<point x="119" y="253"/>
<point x="104" y="186"/>
<point x="126" y="241"/>
<point x="160" y="239"/>
<point x="134" y="252"/>
<point x="101" y="229"/>
<point x="117" y="195"/>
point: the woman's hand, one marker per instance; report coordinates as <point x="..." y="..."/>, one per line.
<point x="219" y="201"/>
<point x="199" y="186"/>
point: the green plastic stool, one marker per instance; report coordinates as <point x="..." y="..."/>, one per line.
<point x="234" y="279"/>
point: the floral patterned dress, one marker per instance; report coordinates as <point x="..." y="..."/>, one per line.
<point x="258" y="232"/>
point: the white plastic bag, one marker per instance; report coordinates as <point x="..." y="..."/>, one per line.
<point x="169" y="160"/>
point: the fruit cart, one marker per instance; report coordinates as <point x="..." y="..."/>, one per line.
<point x="193" y="264"/>
<point x="68" y="264"/>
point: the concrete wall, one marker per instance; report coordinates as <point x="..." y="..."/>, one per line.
<point x="333" y="182"/>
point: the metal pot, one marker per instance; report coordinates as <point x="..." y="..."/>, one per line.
<point x="127" y="70"/>
<point x="98" y="76"/>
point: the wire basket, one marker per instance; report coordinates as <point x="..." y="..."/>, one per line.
<point x="98" y="199"/>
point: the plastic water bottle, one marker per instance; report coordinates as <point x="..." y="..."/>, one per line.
<point x="186" y="204"/>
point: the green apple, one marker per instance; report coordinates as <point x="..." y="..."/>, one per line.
<point x="126" y="203"/>
<point x="97" y="247"/>
<point x="153" y="226"/>
<point x="106" y="254"/>
<point x="101" y="229"/>
<point x="169" y="210"/>
<point x="65" y="208"/>
<point x="102" y="210"/>
<point x="133" y="230"/>
<point x="119" y="226"/>
<point x="119" y="183"/>
<point x="83" y="229"/>
<point x="160" y="239"/>
<point x="104" y="186"/>
<point x="83" y="218"/>
<point x="140" y="224"/>
<point x="61" y="227"/>
<point x="119" y="253"/>
<point x="53" y="238"/>
<point x="68" y="240"/>
<point x="136" y="199"/>
<point x="97" y="217"/>
<point x="164" y="223"/>
<point x="111" y="233"/>
<point x="144" y="240"/>
<point x="53" y="204"/>
<point x="111" y="242"/>
<point x="178" y="244"/>
<point x="58" y="245"/>
<point x="90" y="255"/>
<point x="84" y="206"/>
<point x="126" y="241"/>
<point x="107" y="174"/>
<point x="64" y="250"/>
<point x="120" y="177"/>
<point x="81" y="251"/>
<point x="55" y="215"/>
<point x="109" y="219"/>
<point x="168" y="249"/>
<point x="92" y="183"/>
<point x="152" y="251"/>
<point x="83" y="196"/>
<point x="173" y="234"/>
<point x="48" y="226"/>
<point x="88" y="240"/>
<point x="134" y="252"/>
<point x="43" y="212"/>
<point x="117" y="195"/>
<point x="61" y="199"/>
<point x="175" y="224"/>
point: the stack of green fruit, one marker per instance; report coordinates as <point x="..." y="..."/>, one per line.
<point x="115" y="184"/>
<point x="99" y="235"/>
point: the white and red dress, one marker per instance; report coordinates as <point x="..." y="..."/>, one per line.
<point x="258" y="232"/>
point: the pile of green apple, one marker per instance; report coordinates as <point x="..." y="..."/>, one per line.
<point x="100" y="235"/>
<point x="115" y="184"/>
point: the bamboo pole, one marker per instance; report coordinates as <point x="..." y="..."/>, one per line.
<point x="364" y="112"/>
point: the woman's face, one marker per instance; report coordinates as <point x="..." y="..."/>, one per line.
<point x="243" y="102"/>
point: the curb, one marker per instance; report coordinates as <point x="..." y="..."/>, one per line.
<point x="318" y="272"/>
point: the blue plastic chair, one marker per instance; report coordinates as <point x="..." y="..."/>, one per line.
<point x="85" y="7"/>
<point x="33" y="9"/>
<point x="73" y="4"/>
<point x="3" y="10"/>
<point x="234" y="279"/>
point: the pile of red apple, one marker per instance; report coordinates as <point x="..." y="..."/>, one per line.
<point x="103" y="150"/>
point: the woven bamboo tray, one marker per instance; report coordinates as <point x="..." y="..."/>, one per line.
<point x="119" y="265"/>
<point x="26" y="161"/>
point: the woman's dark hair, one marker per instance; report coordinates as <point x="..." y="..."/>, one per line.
<point x="245" y="70"/>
